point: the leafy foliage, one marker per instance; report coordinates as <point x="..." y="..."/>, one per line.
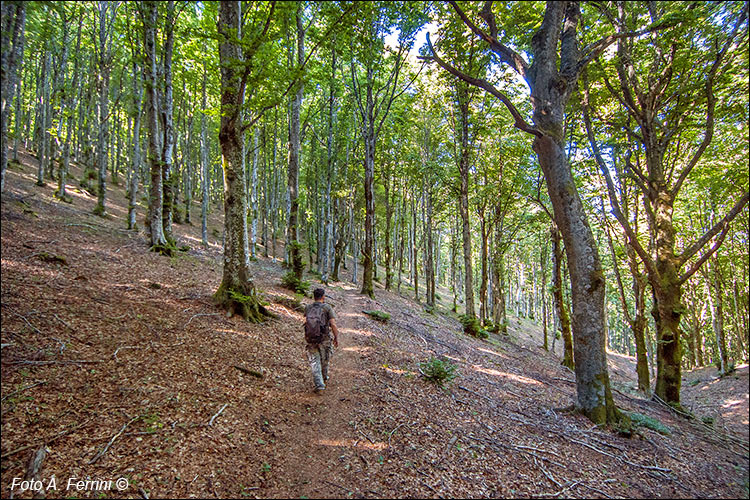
<point x="291" y="282"/>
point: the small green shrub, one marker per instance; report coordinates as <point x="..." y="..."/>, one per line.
<point x="438" y="371"/>
<point x="640" y="420"/>
<point x="291" y="282"/>
<point x="472" y="327"/>
<point x="378" y="315"/>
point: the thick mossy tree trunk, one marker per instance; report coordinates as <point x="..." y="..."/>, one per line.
<point x="236" y="292"/>
<point x="552" y="76"/>
<point x="587" y="282"/>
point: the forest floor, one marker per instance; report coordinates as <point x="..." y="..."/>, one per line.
<point x="117" y="360"/>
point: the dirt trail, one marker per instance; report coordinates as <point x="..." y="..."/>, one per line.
<point x="319" y="424"/>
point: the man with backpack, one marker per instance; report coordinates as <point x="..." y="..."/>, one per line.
<point x="318" y="317"/>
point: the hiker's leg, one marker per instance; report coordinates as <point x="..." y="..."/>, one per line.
<point x="313" y="356"/>
<point x="325" y="356"/>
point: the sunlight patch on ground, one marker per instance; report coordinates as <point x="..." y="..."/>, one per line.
<point x="197" y="242"/>
<point x="149" y="284"/>
<point x="396" y="370"/>
<point x="359" y="349"/>
<point x="224" y="331"/>
<point x="30" y="267"/>
<point x="77" y="193"/>
<point x="357" y="331"/>
<point x="509" y="376"/>
<point x="728" y="403"/>
<point x="494" y="353"/>
<point x="278" y="309"/>
<point x="351" y="443"/>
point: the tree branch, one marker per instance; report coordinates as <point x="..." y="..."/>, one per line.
<point x="507" y="55"/>
<point x="711" y="103"/>
<point x="633" y="240"/>
<point x="723" y="226"/>
<point x="520" y="123"/>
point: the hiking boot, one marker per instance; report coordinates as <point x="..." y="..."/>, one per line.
<point x="318" y="390"/>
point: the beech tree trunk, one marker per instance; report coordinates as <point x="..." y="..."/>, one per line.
<point x="136" y="159"/>
<point x="463" y="199"/>
<point x="717" y="313"/>
<point x="204" y="165"/>
<point x="168" y="177"/>
<point x="560" y="306"/>
<point x="295" y="248"/>
<point x="13" y="23"/>
<point x="106" y="10"/>
<point x="236" y="292"/>
<point x="71" y="98"/>
<point x="552" y="77"/>
<point x="154" y="219"/>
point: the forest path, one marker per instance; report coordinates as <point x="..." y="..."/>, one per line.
<point x="208" y="430"/>
<point x="321" y="425"/>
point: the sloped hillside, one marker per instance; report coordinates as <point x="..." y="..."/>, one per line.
<point x="116" y="360"/>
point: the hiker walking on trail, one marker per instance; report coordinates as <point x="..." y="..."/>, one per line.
<point x="318" y="317"/>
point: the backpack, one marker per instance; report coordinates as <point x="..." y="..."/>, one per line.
<point x="316" y="324"/>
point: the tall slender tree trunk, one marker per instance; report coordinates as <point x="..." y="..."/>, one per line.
<point x="154" y="219"/>
<point x="414" y="261"/>
<point x="717" y="315"/>
<point x="11" y="54"/>
<point x="168" y="176"/>
<point x="204" y="164"/>
<point x="369" y="139"/>
<point x="430" y="260"/>
<point x="72" y="98"/>
<point x="557" y="293"/>
<point x="102" y="87"/>
<point x="254" y="196"/>
<point x="543" y="264"/>
<point x="295" y="248"/>
<point x="42" y="150"/>
<point x="463" y="200"/>
<point x="136" y="159"/>
<point x="483" y="314"/>
<point x="388" y="218"/>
